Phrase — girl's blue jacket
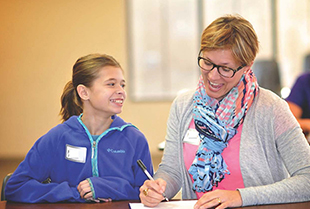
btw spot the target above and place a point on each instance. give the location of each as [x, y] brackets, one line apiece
[68, 154]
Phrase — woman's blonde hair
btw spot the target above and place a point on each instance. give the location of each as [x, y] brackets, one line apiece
[231, 32]
[85, 71]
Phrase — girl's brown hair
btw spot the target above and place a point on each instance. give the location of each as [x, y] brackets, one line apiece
[85, 71]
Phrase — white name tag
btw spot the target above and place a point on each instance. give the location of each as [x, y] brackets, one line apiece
[192, 137]
[76, 154]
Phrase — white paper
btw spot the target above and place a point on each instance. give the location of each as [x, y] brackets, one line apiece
[188, 204]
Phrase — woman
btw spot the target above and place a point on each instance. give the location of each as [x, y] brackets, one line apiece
[92, 155]
[231, 143]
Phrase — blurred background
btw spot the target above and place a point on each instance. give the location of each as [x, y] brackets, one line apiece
[156, 42]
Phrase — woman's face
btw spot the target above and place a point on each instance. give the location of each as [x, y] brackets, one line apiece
[216, 85]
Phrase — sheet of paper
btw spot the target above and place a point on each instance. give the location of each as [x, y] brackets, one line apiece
[188, 204]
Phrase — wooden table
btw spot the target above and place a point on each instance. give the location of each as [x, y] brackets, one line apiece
[125, 205]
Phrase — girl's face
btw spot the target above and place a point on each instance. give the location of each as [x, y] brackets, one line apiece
[107, 95]
[216, 85]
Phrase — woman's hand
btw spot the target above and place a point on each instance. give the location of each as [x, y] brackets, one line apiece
[219, 199]
[151, 192]
[85, 190]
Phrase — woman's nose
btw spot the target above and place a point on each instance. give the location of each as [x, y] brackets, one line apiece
[214, 73]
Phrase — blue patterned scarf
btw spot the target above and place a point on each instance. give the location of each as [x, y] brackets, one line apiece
[217, 122]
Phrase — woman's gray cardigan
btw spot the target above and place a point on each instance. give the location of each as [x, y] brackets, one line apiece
[274, 154]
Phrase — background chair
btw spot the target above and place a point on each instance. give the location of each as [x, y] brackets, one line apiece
[5, 180]
[306, 67]
[268, 75]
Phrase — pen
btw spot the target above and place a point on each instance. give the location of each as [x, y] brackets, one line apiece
[143, 167]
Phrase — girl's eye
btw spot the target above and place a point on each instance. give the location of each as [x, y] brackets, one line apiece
[123, 86]
[111, 84]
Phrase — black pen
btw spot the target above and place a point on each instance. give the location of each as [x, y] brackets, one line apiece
[143, 167]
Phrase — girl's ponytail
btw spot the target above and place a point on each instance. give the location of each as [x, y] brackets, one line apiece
[69, 102]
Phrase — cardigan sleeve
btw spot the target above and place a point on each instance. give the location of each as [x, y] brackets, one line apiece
[172, 168]
[274, 154]
[169, 168]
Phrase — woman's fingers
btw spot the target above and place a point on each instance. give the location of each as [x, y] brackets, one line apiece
[151, 192]
[219, 199]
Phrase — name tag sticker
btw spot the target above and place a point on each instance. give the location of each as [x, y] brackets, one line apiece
[76, 154]
[192, 137]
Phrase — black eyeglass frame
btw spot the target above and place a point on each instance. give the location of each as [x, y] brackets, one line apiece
[217, 67]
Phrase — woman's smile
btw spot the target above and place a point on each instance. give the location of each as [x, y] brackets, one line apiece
[215, 86]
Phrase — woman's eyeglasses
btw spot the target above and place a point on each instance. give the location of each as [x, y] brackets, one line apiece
[224, 71]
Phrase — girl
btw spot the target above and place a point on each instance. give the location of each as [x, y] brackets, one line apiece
[93, 154]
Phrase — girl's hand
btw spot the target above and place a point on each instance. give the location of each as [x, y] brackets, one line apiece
[219, 199]
[85, 190]
[151, 192]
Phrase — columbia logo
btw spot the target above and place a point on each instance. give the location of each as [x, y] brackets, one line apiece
[120, 151]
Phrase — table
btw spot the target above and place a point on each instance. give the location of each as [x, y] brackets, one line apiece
[125, 205]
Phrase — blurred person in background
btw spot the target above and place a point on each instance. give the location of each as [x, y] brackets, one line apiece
[299, 102]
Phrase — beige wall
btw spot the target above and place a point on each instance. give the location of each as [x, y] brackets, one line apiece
[39, 43]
